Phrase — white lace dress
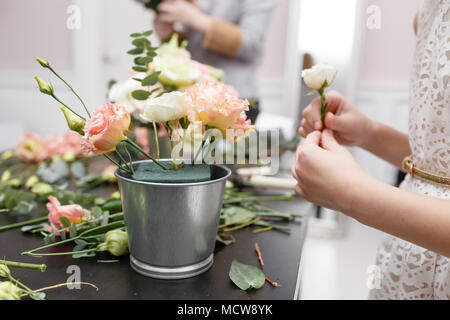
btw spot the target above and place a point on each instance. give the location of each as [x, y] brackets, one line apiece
[409, 271]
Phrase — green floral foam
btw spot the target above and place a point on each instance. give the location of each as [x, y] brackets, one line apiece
[151, 172]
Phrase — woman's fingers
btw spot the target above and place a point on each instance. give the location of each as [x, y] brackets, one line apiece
[312, 114]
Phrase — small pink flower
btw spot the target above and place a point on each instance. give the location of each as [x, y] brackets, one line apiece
[72, 143]
[73, 212]
[53, 145]
[106, 128]
[215, 104]
[31, 148]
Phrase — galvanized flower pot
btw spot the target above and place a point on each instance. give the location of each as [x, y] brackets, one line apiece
[172, 227]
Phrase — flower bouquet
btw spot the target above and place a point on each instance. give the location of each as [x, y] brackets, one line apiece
[171, 206]
[157, 70]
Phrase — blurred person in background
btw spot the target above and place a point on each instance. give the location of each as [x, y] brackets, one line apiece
[228, 34]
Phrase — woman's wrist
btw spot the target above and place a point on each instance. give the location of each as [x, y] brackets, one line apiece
[370, 136]
[202, 23]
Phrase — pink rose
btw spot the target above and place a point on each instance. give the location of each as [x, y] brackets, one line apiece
[31, 148]
[106, 128]
[215, 104]
[73, 212]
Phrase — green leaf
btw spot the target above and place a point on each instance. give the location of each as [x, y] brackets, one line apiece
[30, 228]
[73, 230]
[141, 43]
[246, 276]
[147, 33]
[143, 61]
[64, 221]
[140, 69]
[235, 214]
[136, 35]
[37, 295]
[25, 207]
[151, 79]
[140, 94]
[223, 241]
[135, 51]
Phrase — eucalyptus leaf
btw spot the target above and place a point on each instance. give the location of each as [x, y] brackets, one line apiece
[140, 69]
[140, 94]
[234, 214]
[73, 230]
[25, 207]
[246, 276]
[78, 169]
[84, 255]
[224, 241]
[141, 43]
[64, 221]
[33, 227]
[151, 79]
[146, 33]
[37, 295]
[136, 35]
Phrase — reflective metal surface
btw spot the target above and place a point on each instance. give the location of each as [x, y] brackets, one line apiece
[172, 227]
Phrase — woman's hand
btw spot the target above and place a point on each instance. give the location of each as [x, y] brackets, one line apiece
[326, 173]
[163, 29]
[350, 126]
[186, 13]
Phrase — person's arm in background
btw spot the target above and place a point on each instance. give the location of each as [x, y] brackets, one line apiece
[242, 40]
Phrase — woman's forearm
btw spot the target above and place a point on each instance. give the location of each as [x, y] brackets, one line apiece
[419, 219]
[387, 143]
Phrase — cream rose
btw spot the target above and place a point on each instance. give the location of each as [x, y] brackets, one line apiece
[316, 76]
[120, 93]
[169, 106]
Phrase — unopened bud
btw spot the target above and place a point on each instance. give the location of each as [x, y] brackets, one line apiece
[31, 181]
[116, 243]
[44, 86]
[7, 155]
[74, 121]
[43, 62]
[4, 271]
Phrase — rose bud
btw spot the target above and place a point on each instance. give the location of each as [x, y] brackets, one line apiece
[116, 243]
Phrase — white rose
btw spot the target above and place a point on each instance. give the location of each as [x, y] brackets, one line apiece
[169, 106]
[120, 93]
[317, 75]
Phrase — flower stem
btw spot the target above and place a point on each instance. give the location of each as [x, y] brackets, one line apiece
[116, 163]
[129, 166]
[15, 264]
[29, 253]
[138, 148]
[28, 290]
[24, 223]
[56, 98]
[71, 89]
[61, 253]
[155, 130]
[63, 285]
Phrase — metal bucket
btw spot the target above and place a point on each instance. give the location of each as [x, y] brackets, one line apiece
[172, 227]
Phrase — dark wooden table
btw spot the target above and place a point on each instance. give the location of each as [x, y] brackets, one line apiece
[281, 253]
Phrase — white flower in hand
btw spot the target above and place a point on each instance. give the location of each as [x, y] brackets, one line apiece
[319, 76]
[169, 106]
